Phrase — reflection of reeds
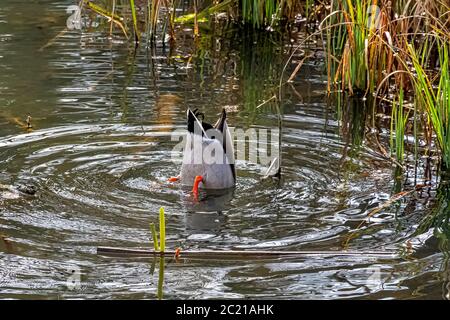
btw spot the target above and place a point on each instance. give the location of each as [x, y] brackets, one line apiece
[352, 116]
[160, 247]
[252, 73]
[359, 44]
[259, 70]
[439, 217]
[366, 41]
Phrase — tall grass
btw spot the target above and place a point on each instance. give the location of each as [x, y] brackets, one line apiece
[258, 12]
[359, 44]
[376, 48]
[399, 119]
[433, 94]
[263, 13]
[161, 13]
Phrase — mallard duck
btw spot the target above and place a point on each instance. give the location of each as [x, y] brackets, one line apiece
[208, 158]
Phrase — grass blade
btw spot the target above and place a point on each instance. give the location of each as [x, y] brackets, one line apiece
[162, 229]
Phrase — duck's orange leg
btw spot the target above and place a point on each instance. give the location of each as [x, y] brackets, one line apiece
[174, 179]
[197, 181]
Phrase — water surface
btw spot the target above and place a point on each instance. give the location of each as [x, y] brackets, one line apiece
[99, 154]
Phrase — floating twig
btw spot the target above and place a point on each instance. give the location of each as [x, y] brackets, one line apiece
[266, 101]
[299, 65]
[236, 254]
[26, 125]
[51, 41]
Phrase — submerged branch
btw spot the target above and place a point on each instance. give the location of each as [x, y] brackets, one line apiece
[394, 198]
[236, 254]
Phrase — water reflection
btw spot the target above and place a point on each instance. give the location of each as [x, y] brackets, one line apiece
[439, 217]
[209, 201]
[160, 278]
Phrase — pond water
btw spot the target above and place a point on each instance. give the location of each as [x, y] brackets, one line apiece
[99, 155]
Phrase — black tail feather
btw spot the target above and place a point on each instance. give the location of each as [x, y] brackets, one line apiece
[191, 121]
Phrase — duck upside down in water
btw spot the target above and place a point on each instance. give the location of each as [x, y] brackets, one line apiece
[208, 155]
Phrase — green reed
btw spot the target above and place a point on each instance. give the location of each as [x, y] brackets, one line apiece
[162, 230]
[399, 119]
[372, 52]
[159, 292]
[161, 245]
[356, 54]
[154, 237]
[259, 70]
[135, 20]
[432, 92]
[150, 15]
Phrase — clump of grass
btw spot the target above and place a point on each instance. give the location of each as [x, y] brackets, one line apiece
[366, 40]
[391, 51]
[358, 44]
[432, 90]
[258, 12]
[399, 119]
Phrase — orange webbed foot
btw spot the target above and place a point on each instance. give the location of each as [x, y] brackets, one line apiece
[197, 181]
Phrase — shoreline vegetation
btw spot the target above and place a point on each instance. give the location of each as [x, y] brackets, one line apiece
[391, 56]
[392, 53]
